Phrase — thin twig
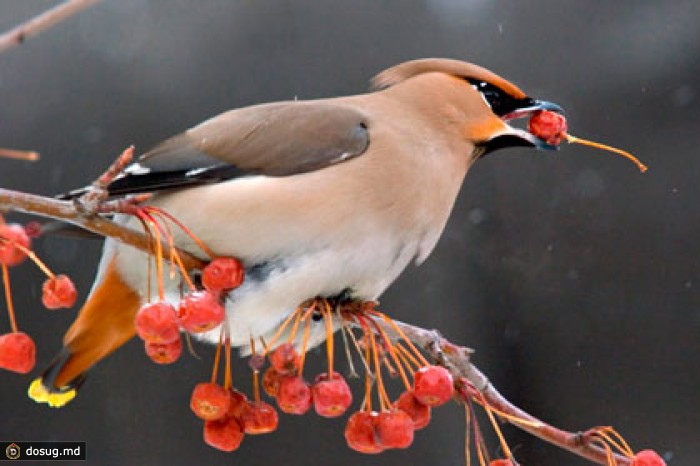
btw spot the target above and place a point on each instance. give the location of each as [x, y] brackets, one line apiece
[16, 154]
[66, 211]
[41, 22]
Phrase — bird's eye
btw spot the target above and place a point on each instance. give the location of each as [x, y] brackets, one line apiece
[501, 103]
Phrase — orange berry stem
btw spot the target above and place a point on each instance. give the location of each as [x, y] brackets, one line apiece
[215, 369]
[383, 396]
[368, 362]
[149, 256]
[183, 270]
[368, 382]
[405, 361]
[397, 362]
[501, 439]
[187, 231]
[295, 327]
[328, 321]
[278, 334]
[190, 348]
[408, 356]
[625, 446]
[479, 441]
[8, 298]
[585, 142]
[304, 344]
[479, 399]
[348, 354]
[256, 373]
[403, 336]
[34, 258]
[467, 435]
[359, 350]
[386, 362]
[311, 308]
[227, 375]
[612, 438]
[155, 229]
[368, 359]
[159, 264]
[175, 259]
[609, 455]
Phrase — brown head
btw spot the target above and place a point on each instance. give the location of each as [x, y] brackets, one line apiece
[490, 101]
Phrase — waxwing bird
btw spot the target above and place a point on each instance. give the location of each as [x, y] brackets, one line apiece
[316, 198]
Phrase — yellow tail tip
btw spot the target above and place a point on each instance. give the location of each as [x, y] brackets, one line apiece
[40, 394]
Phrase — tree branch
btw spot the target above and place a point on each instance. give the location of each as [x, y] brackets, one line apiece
[41, 22]
[455, 358]
[67, 211]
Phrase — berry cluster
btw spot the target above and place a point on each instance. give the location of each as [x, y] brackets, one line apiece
[227, 413]
[17, 349]
[159, 323]
[370, 431]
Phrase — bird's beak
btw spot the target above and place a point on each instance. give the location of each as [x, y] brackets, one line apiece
[515, 137]
[531, 107]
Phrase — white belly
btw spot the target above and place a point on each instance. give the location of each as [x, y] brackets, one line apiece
[272, 291]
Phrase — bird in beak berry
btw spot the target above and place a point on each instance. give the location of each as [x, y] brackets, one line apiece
[332, 198]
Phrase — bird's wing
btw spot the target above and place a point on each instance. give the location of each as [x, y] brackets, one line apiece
[278, 139]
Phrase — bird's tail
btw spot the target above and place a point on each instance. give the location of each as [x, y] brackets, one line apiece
[105, 323]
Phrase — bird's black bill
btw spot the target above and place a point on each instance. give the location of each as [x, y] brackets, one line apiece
[515, 137]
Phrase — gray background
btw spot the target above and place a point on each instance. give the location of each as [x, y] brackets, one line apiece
[575, 277]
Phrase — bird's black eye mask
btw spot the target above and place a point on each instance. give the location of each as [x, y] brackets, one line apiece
[501, 103]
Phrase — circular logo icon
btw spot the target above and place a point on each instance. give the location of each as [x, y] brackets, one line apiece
[12, 451]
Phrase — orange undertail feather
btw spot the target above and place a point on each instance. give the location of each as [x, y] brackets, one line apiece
[105, 323]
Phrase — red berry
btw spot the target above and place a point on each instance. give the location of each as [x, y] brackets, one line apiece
[225, 434]
[332, 397]
[259, 418]
[164, 353]
[501, 462]
[294, 395]
[547, 125]
[647, 458]
[419, 413]
[200, 311]
[12, 234]
[224, 273]
[58, 291]
[433, 385]
[238, 404]
[33, 229]
[256, 362]
[157, 323]
[361, 434]
[395, 429]
[17, 352]
[210, 401]
[271, 381]
[285, 359]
